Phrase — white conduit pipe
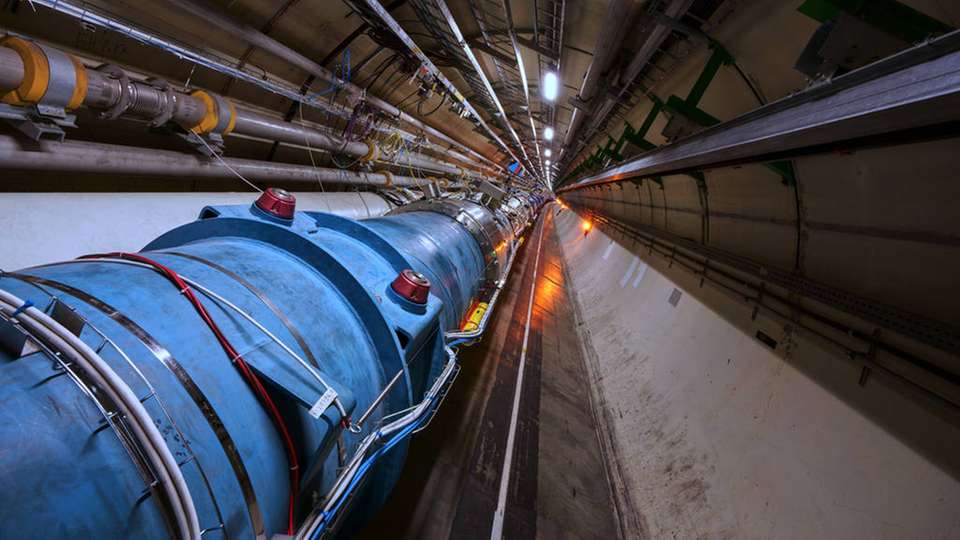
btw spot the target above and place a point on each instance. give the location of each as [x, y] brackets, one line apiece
[170, 478]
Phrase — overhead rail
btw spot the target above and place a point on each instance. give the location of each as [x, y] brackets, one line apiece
[439, 21]
[499, 35]
[905, 97]
[429, 66]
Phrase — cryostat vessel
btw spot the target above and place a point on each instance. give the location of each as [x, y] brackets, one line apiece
[257, 372]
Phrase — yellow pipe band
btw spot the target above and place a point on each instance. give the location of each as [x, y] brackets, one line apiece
[80, 90]
[36, 72]
[210, 119]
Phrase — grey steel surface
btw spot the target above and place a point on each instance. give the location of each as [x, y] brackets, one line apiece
[917, 88]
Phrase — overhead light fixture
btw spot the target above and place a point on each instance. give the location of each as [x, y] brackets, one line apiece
[551, 86]
[548, 163]
[548, 133]
[547, 152]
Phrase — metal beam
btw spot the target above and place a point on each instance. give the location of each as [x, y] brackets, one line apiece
[546, 53]
[905, 94]
[391, 23]
[656, 32]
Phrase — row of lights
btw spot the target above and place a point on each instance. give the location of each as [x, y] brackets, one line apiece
[551, 89]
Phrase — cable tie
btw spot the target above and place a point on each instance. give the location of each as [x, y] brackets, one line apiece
[27, 304]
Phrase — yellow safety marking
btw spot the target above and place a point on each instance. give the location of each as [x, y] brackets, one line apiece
[36, 72]
[80, 90]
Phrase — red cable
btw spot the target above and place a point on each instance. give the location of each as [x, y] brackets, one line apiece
[235, 357]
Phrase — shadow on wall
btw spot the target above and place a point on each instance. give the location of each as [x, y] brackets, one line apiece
[731, 422]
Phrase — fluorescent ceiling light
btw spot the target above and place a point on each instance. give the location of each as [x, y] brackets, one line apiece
[547, 152]
[551, 86]
[548, 133]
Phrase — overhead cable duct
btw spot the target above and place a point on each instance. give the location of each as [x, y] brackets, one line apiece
[615, 24]
[657, 30]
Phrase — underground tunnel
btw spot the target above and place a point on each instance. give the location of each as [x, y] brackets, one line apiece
[430, 269]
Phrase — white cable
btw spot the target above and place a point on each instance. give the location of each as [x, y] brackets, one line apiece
[170, 477]
[225, 164]
[313, 162]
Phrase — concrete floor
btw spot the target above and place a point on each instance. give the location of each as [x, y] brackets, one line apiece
[558, 483]
[651, 409]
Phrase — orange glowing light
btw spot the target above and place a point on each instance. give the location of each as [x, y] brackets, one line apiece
[586, 226]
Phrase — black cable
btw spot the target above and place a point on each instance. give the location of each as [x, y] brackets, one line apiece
[750, 85]
[389, 80]
[381, 68]
[404, 100]
[437, 108]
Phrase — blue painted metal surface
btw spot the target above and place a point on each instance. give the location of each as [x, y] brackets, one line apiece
[64, 471]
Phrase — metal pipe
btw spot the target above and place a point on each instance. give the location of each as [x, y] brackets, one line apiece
[254, 37]
[149, 101]
[608, 44]
[11, 69]
[87, 157]
[259, 125]
[91, 15]
[658, 31]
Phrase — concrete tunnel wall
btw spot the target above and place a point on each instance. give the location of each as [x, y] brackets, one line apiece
[712, 433]
[40, 228]
[880, 224]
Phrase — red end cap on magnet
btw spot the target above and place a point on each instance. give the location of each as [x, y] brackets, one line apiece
[277, 202]
[412, 286]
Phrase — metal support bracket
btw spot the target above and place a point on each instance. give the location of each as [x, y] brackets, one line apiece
[38, 121]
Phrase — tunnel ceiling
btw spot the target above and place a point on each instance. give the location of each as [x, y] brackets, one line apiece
[351, 41]
[614, 59]
[640, 84]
